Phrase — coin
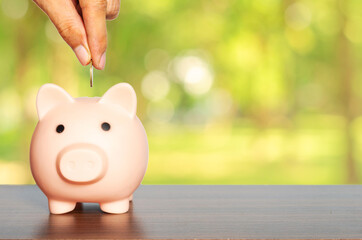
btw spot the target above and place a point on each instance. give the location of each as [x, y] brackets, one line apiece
[91, 73]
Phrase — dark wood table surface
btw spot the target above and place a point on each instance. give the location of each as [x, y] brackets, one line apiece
[193, 211]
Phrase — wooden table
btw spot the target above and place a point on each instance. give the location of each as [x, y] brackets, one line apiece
[192, 211]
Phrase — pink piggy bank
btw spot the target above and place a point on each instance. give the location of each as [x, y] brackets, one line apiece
[88, 149]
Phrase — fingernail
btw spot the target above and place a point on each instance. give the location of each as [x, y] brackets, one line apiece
[102, 61]
[82, 55]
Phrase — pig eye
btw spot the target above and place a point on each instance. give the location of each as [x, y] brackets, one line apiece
[105, 126]
[60, 128]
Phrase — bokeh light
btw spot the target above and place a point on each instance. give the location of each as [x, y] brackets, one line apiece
[195, 74]
[298, 16]
[155, 85]
[15, 9]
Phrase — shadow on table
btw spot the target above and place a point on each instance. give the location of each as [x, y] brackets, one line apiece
[88, 221]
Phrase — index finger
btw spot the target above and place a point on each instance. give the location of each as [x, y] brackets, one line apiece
[94, 18]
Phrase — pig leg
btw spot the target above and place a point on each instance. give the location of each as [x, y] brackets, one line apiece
[130, 198]
[59, 207]
[117, 207]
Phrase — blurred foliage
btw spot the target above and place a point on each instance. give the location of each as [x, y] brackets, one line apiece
[230, 92]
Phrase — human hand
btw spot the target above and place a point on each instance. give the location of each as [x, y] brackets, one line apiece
[82, 24]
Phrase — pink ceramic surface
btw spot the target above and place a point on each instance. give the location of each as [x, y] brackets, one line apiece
[88, 149]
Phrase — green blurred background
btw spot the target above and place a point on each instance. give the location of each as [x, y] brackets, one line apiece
[230, 92]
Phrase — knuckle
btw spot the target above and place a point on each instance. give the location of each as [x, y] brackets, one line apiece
[94, 5]
[67, 29]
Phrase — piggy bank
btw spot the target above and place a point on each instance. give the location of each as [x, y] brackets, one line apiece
[88, 149]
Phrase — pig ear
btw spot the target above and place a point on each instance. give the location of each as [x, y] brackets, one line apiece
[49, 96]
[122, 94]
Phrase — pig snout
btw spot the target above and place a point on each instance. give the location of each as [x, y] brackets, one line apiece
[81, 163]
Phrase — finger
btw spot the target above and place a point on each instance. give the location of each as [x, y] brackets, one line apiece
[69, 24]
[112, 9]
[94, 17]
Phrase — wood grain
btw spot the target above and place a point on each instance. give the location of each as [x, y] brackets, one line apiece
[204, 212]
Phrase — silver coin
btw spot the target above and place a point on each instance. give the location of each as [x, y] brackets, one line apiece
[91, 74]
